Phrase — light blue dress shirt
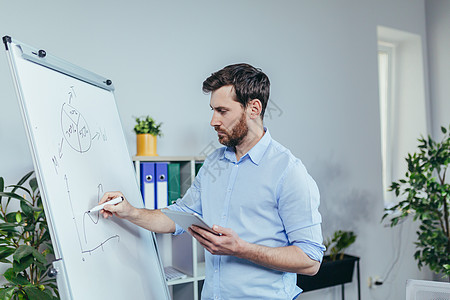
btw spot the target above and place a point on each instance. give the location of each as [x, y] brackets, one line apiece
[268, 198]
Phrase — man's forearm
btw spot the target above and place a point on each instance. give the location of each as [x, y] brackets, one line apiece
[288, 259]
[153, 220]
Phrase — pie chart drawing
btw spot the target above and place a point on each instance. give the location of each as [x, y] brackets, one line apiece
[75, 129]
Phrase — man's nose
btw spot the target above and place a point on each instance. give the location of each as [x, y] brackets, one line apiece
[215, 120]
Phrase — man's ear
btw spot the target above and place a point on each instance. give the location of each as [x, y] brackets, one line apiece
[254, 108]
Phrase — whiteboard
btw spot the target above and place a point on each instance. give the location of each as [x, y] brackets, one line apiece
[79, 152]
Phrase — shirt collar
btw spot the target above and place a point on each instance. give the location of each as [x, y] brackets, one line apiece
[255, 154]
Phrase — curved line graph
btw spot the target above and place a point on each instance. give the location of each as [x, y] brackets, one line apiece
[101, 244]
[94, 219]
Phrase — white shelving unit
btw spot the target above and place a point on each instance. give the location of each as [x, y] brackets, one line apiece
[182, 252]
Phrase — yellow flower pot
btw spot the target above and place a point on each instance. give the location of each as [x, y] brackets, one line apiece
[146, 145]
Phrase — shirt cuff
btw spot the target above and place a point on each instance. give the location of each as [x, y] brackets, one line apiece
[178, 229]
[312, 249]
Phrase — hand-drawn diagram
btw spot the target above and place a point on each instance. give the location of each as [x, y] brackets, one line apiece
[75, 129]
[95, 218]
[84, 244]
[77, 135]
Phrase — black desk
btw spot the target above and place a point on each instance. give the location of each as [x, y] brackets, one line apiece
[332, 273]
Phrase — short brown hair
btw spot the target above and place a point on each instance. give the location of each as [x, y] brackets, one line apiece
[249, 83]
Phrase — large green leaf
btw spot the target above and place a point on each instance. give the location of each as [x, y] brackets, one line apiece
[36, 215]
[10, 217]
[19, 266]
[39, 257]
[5, 252]
[12, 195]
[19, 187]
[5, 261]
[8, 227]
[23, 251]
[18, 217]
[48, 291]
[26, 208]
[15, 278]
[6, 239]
[35, 293]
[2, 184]
[25, 178]
[33, 184]
[6, 293]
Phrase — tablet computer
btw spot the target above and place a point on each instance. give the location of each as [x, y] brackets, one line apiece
[186, 220]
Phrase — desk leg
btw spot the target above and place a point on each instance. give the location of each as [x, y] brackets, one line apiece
[343, 293]
[359, 284]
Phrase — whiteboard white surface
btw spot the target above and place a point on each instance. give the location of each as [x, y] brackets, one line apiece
[79, 152]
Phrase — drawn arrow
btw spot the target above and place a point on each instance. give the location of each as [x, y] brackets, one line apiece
[73, 212]
[60, 148]
[97, 135]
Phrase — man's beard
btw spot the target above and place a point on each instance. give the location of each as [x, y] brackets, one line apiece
[237, 135]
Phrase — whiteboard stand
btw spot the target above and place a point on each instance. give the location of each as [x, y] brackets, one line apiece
[63, 286]
[79, 152]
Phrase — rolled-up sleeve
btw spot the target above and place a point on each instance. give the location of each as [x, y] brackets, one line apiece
[298, 202]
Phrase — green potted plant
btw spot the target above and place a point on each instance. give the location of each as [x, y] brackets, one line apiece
[336, 245]
[425, 195]
[25, 243]
[147, 130]
[337, 267]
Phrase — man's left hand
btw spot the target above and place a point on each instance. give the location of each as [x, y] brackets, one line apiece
[228, 243]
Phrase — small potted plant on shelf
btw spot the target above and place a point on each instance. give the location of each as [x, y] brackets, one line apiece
[25, 243]
[337, 267]
[426, 196]
[147, 130]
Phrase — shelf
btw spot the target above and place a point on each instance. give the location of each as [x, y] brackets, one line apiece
[183, 251]
[201, 276]
[180, 281]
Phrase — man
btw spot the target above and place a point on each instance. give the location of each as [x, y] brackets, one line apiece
[259, 196]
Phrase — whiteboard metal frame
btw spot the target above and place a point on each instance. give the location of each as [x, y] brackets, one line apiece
[49, 61]
[42, 58]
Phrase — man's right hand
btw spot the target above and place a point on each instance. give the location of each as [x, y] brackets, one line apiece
[122, 210]
[150, 219]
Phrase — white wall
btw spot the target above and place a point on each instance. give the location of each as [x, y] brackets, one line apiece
[320, 57]
[438, 28]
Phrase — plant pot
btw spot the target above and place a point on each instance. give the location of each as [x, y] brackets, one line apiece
[330, 273]
[146, 145]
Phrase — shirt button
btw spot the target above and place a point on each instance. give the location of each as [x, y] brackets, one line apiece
[237, 166]
[215, 271]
